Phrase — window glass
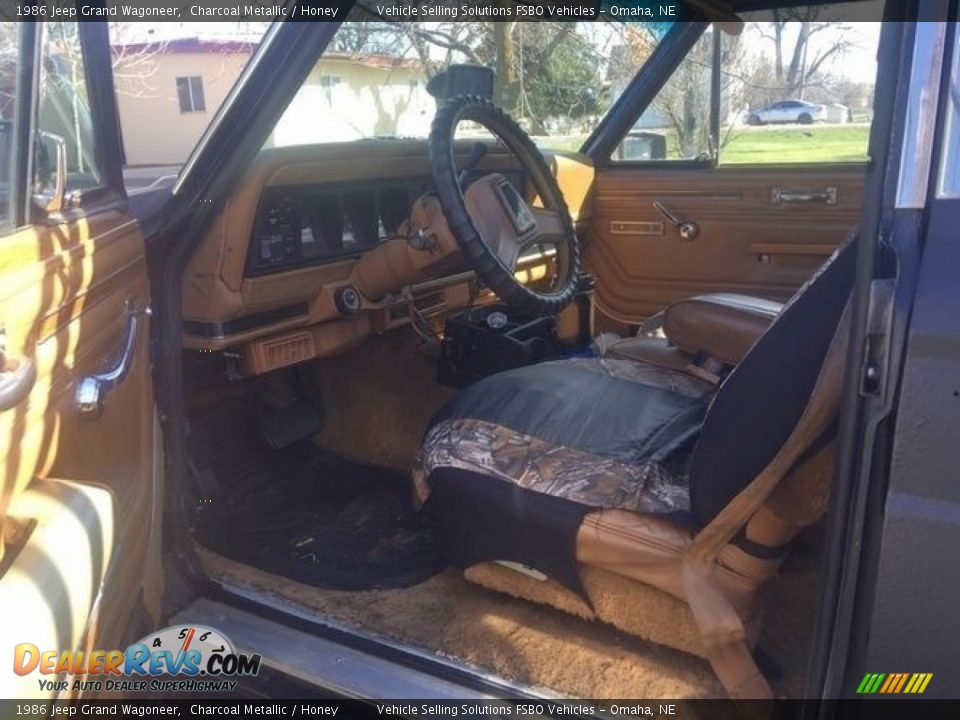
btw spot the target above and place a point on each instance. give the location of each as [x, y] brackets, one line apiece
[676, 125]
[170, 79]
[948, 185]
[63, 120]
[557, 79]
[796, 86]
[9, 61]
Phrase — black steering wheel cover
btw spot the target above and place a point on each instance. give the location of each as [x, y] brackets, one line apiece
[485, 262]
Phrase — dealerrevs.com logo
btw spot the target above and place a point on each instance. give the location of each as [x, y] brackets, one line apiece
[179, 658]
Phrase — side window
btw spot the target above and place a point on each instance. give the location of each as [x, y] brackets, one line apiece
[676, 125]
[9, 62]
[66, 141]
[795, 87]
[798, 87]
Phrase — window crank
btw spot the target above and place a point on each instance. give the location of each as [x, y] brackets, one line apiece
[687, 229]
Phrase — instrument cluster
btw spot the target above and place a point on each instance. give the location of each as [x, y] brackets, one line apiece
[303, 225]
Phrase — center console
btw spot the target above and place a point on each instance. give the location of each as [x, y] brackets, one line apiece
[481, 341]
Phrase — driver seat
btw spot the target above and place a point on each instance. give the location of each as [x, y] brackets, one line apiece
[641, 495]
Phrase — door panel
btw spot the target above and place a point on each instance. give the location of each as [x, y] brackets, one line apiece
[50, 591]
[747, 241]
[66, 295]
[79, 483]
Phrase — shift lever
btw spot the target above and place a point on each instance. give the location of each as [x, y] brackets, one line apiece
[477, 153]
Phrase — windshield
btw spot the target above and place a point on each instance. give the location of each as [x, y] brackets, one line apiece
[557, 79]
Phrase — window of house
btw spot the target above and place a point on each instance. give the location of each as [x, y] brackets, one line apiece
[327, 84]
[190, 94]
[794, 87]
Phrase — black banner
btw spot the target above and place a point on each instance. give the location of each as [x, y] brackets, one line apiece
[874, 709]
[154, 11]
[338, 10]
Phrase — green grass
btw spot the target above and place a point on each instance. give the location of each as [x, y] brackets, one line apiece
[796, 144]
[778, 145]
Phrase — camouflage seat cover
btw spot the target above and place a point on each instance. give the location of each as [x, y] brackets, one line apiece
[600, 432]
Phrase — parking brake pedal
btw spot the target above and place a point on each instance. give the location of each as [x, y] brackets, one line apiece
[299, 421]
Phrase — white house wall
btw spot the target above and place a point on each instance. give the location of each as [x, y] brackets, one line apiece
[155, 132]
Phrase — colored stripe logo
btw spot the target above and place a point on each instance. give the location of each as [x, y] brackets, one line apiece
[894, 683]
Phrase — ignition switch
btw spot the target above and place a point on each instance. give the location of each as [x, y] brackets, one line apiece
[347, 300]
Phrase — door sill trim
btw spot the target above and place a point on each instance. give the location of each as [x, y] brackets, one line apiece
[418, 678]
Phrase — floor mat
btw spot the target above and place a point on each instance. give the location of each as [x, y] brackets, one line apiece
[303, 513]
[512, 639]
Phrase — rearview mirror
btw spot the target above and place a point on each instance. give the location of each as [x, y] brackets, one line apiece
[462, 80]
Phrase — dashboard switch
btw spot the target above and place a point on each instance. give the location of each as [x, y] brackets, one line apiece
[347, 300]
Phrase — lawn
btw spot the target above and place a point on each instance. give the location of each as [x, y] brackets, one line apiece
[796, 144]
[766, 145]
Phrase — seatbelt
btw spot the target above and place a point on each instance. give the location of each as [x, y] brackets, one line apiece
[706, 367]
[722, 629]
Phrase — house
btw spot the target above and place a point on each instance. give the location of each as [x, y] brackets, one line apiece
[167, 94]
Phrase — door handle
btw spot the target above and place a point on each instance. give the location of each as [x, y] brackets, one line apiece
[687, 228]
[17, 377]
[827, 196]
[92, 389]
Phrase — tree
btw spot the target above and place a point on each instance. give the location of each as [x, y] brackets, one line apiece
[546, 73]
[685, 100]
[796, 60]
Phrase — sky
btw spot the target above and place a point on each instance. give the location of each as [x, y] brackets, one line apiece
[857, 62]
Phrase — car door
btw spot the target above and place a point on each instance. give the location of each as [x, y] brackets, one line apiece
[79, 443]
[732, 208]
[778, 112]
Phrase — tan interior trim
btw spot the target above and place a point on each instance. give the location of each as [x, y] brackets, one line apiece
[721, 626]
[773, 248]
[745, 245]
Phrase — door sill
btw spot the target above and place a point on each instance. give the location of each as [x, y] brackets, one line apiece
[360, 665]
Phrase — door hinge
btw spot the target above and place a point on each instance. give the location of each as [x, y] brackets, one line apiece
[876, 360]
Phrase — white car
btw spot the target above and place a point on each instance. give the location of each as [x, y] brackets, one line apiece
[787, 111]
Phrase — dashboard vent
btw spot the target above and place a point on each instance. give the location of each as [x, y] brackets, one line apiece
[265, 355]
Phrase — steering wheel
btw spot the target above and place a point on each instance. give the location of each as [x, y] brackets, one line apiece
[492, 222]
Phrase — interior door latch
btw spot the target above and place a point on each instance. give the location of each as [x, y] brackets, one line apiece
[876, 359]
[687, 229]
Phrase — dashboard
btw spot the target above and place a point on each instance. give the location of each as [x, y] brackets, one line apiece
[278, 277]
[302, 225]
